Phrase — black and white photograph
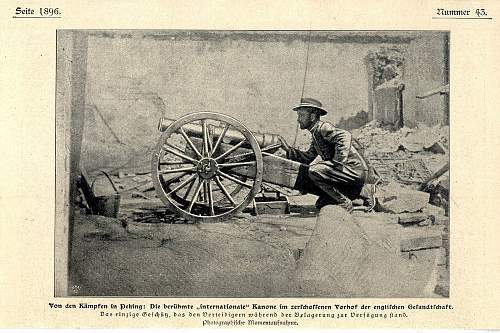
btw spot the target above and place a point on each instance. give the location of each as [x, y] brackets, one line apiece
[252, 163]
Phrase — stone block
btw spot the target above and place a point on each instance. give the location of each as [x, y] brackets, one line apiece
[418, 238]
[427, 256]
[430, 209]
[393, 199]
[411, 218]
[340, 260]
[441, 220]
[381, 228]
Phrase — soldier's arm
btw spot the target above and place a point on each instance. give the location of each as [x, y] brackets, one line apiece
[305, 157]
[339, 139]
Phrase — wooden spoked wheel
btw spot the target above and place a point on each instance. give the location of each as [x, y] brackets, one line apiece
[197, 167]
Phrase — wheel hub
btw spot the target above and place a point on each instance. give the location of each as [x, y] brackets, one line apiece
[207, 168]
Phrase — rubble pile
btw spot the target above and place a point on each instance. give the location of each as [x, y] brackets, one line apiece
[406, 160]
[408, 155]
[413, 164]
[377, 138]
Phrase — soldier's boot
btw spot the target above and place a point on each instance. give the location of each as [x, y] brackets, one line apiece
[342, 201]
[322, 201]
[368, 195]
[347, 204]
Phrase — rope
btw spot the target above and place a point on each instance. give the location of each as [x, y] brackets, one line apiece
[307, 65]
[303, 85]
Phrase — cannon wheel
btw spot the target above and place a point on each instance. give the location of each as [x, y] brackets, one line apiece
[206, 172]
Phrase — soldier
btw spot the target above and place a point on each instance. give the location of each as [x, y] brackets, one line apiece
[342, 173]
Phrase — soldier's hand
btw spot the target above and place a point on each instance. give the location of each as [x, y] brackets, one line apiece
[284, 144]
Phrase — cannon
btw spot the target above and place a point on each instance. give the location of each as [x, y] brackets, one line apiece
[207, 166]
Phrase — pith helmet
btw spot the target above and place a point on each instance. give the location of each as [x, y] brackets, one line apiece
[311, 103]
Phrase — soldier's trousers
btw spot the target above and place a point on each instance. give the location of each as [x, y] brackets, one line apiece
[335, 181]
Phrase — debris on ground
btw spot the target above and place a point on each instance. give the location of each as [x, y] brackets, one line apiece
[412, 218]
[376, 137]
[154, 215]
[103, 228]
[416, 158]
[436, 148]
[126, 184]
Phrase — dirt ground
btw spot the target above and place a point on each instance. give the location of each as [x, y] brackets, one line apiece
[248, 256]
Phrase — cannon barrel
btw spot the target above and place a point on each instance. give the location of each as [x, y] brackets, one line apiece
[232, 136]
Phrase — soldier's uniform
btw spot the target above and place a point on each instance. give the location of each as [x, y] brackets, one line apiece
[342, 172]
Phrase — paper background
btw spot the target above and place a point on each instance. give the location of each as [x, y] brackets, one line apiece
[27, 53]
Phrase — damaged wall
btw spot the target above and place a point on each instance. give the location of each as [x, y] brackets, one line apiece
[426, 68]
[136, 77]
[421, 65]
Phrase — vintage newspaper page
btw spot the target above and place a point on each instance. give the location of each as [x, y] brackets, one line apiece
[249, 164]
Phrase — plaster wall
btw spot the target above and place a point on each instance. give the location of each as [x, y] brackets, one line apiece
[134, 78]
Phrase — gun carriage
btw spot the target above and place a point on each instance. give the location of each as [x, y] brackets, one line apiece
[207, 166]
